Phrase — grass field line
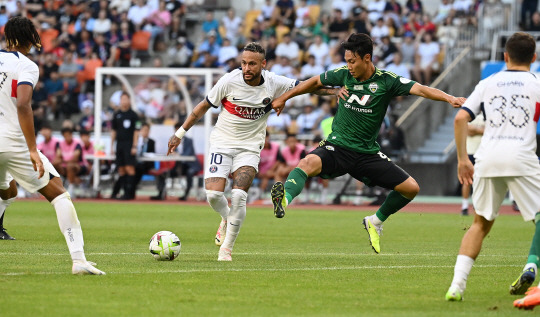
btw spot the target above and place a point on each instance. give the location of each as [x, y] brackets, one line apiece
[293, 269]
[268, 253]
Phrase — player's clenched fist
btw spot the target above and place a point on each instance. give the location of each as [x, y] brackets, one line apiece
[174, 141]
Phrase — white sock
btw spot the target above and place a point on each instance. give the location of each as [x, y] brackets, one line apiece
[531, 265]
[462, 269]
[236, 217]
[69, 225]
[465, 203]
[4, 204]
[375, 220]
[218, 202]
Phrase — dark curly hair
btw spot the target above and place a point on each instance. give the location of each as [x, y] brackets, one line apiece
[21, 32]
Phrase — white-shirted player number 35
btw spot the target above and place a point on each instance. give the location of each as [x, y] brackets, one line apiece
[515, 120]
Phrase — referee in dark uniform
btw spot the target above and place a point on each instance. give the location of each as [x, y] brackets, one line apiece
[125, 130]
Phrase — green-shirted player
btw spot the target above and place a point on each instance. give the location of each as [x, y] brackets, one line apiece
[351, 148]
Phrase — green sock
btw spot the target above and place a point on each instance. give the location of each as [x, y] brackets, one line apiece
[294, 184]
[534, 254]
[394, 202]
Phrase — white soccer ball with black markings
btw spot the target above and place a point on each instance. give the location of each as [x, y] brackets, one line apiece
[165, 246]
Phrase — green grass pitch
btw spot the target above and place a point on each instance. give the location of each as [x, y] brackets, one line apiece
[310, 263]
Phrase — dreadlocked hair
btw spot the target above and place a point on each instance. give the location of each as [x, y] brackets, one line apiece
[21, 32]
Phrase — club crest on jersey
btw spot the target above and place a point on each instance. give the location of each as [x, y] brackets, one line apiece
[329, 148]
[266, 101]
[373, 87]
[212, 169]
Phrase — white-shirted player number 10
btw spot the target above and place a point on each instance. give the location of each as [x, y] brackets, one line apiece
[216, 158]
[504, 115]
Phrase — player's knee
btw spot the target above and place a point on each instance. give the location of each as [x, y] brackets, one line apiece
[311, 165]
[213, 196]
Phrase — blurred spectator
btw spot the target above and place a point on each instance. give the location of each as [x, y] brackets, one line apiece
[528, 8]
[362, 24]
[376, 10]
[322, 26]
[393, 9]
[103, 50]
[102, 24]
[267, 9]
[87, 147]
[465, 7]
[284, 12]
[319, 50]
[306, 121]
[138, 14]
[283, 68]
[4, 16]
[535, 23]
[379, 30]
[345, 6]
[68, 161]
[408, 50]
[55, 89]
[85, 44]
[256, 32]
[397, 67]
[208, 51]
[427, 25]
[68, 71]
[311, 69]
[279, 123]
[288, 49]
[304, 34]
[179, 55]
[159, 19]
[210, 24]
[357, 9]
[86, 123]
[120, 5]
[302, 11]
[339, 28]
[426, 59]
[49, 144]
[388, 49]
[412, 24]
[227, 52]
[124, 44]
[444, 10]
[271, 161]
[233, 26]
[337, 62]
[293, 152]
[448, 33]
[145, 144]
[415, 6]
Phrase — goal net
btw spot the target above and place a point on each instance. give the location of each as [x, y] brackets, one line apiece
[157, 94]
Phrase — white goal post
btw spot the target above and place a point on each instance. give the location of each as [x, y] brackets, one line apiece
[174, 73]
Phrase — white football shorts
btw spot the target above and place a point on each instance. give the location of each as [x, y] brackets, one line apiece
[19, 165]
[222, 162]
[489, 192]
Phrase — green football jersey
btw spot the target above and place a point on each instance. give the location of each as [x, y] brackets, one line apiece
[359, 118]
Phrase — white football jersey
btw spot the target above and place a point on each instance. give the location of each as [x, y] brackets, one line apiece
[510, 102]
[242, 123]
[15, 69]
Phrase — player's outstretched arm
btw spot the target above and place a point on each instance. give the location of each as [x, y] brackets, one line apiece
[26, 121]
[197, 113]
[436, 94]
[308, 86]
[465, 167]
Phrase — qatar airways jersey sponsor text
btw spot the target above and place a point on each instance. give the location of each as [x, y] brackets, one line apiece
[243, 123]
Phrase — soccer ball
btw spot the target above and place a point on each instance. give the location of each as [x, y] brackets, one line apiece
[165, 246]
